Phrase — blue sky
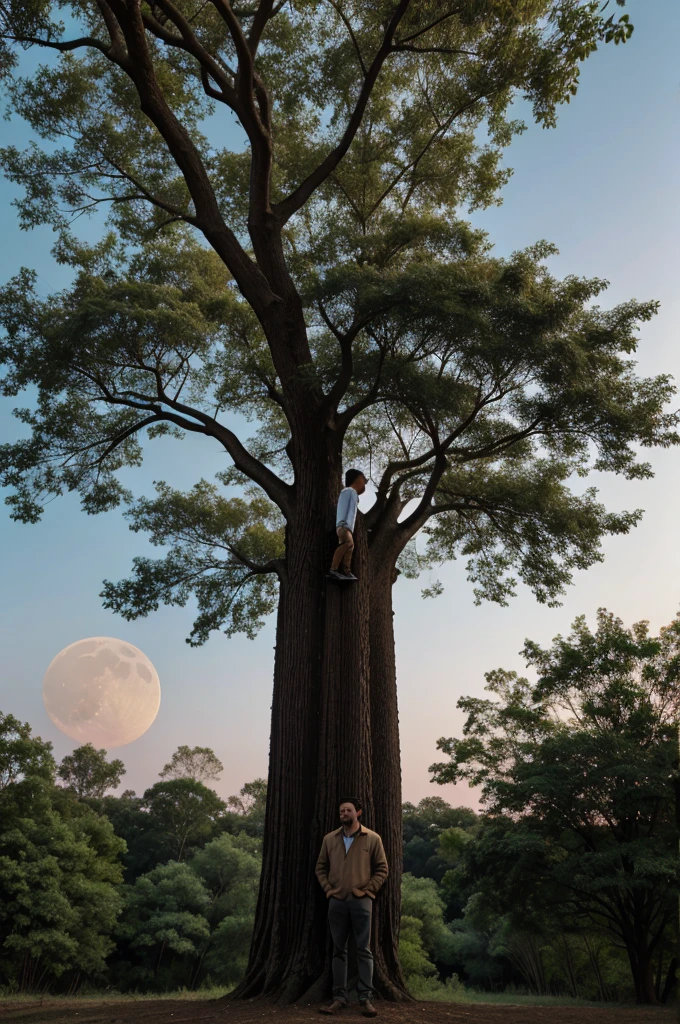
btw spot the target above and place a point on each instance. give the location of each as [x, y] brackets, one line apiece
[604, 187]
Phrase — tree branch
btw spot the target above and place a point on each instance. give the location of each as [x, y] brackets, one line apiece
[247, 78]
[407, 48]
[428, 28]
[248, 276]
[468, 455]
[281, 493]
[339, 388]
[66, 46]
[439, 131]
[265, 11]
[272, 566]
[189, 42]
[384, 486]
[162, 204]
[397, 466]
[117, 42]
[245, 57]
[293, 202]
[137, 63]
[154, 418]
[421, 514]
[346, 22]
[343, 420]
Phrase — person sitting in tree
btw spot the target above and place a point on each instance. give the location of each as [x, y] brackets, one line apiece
[355, 484]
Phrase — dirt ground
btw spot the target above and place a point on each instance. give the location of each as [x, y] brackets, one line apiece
[168, 1012]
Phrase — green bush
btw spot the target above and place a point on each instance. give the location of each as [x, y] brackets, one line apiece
[190, 924]
[415, 962]
[60, 871]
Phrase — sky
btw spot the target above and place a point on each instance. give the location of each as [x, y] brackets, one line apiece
[603, 186]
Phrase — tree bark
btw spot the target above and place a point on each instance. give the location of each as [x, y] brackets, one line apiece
[642, 970]
[285, 909]
[320, 751]
[386, 760]
[344, 727]
[671, 980]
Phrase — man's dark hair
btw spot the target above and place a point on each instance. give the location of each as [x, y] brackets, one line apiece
[350, 477]
[350, 800]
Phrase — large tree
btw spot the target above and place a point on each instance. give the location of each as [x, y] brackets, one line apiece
[319, 280]
[184, 813]
[578, 774]
[87, 772]
[198, 763]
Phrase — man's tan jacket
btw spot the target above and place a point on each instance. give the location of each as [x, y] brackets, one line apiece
[361, 871]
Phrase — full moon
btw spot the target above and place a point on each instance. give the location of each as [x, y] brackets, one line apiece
[102, 691]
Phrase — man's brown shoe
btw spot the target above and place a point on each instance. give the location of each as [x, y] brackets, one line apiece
[332, 1007]
[368, 1009]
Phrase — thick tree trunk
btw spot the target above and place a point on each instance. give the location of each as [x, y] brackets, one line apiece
[285, 907]
[320, 751]
[643, 974]
[344, 728]
[671, 980]
[386, 774]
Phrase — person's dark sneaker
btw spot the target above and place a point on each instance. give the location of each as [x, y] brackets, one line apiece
[368, 1009]
[332, 1007]
[342, 577]
[350, 576]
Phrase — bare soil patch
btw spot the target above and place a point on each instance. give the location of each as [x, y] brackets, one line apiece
[80, 1011]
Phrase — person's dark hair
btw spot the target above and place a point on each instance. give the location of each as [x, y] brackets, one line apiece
[350, 477]
[350, 800]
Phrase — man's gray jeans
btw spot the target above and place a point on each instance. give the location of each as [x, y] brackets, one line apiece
[351, 913]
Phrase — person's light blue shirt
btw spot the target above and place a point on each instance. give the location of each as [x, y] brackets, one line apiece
[347, 508]
[348, 840]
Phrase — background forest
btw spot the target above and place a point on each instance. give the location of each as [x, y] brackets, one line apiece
[565, 883]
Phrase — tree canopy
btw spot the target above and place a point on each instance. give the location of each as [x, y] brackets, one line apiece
[87, 772]
[508, 380]
[22, 755]
[199, 763]
[426, 827]
[585, 761]
[473, 387]
[183, 812]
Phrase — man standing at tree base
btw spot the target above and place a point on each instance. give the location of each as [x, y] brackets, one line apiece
[351, 869]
